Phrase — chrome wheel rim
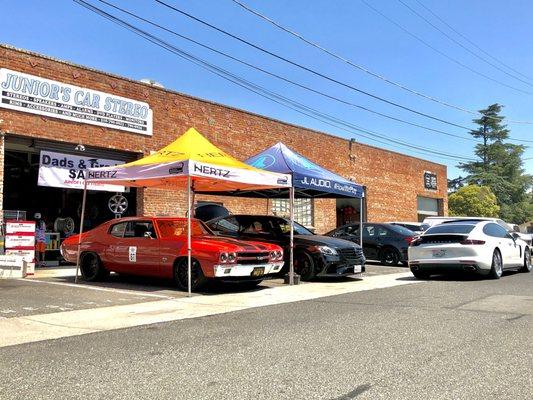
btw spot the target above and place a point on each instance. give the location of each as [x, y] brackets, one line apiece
[498, 265]
[528, 261]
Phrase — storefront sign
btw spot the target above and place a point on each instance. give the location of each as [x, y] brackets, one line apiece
[31, 94]
[430, 181]
[68, 171]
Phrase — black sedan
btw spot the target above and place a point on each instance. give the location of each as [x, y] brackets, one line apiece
[386, 243]
[314, 255]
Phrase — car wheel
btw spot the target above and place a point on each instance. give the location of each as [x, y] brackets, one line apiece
[389, 256]
[496, 269]
[181, 275]
[527, 262]
[304, 266]
[91, 268]
[420, 274]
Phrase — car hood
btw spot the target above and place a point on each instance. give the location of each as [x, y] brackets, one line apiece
[228, 244]
[324, 241]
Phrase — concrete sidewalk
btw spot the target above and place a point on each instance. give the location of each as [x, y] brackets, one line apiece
[26, 329]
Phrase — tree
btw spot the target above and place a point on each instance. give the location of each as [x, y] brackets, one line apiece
[499, 166]
[473, 201]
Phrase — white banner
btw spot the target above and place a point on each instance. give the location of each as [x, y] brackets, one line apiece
[68, 171]
[32, 94]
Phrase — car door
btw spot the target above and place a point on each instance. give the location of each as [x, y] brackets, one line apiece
[507, 245]
[138, 251]
[371, 241]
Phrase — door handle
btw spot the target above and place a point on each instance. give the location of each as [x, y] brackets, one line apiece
[164, 259]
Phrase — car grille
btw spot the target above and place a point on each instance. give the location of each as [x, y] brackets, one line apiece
[351, 255]
[252, 258]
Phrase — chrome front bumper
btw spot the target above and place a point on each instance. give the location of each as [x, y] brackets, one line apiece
[234, 270]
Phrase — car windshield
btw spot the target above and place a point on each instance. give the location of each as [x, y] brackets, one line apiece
[169, 228]
[285, 227]
[450, 228]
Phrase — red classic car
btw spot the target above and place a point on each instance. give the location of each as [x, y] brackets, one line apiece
[157, 246]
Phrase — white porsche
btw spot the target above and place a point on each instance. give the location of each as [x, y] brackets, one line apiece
[484, 247]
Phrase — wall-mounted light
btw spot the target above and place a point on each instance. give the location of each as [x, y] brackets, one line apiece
[79, 147]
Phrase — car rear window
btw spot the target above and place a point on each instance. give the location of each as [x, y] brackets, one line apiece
[450, 228]
[402, 230]
[170, 228]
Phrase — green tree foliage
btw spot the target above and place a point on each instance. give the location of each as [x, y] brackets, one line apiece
[473, 201]
[499, 166]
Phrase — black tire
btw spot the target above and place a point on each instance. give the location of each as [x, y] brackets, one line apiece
[527, 261]
[496, 269]
[304, 265]
[420, 274]
[91, 268]
[181, 276]
[389, 256]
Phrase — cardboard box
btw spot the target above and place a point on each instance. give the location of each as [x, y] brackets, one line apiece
[20, 227]
[12, 267]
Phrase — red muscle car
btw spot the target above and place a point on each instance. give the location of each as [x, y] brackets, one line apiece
[157, 246]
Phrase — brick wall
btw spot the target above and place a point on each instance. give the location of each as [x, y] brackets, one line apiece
[393, 180]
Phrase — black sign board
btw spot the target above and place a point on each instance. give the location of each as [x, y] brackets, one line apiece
[430, 181]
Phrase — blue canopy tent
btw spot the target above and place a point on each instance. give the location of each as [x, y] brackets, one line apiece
[309, 180]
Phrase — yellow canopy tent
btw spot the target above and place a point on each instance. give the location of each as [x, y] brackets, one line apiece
[190, 162]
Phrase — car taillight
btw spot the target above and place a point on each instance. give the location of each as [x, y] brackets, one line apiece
[408, 239]
[472, 241]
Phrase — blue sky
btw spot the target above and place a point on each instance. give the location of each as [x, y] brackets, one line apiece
[63, 29]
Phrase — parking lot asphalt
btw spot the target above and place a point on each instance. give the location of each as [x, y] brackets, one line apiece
[447, 338]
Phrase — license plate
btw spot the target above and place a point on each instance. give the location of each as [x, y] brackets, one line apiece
[438, 253]
[258, 271]
[357, 269]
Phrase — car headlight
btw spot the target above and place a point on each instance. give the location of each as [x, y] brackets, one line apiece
[330, 251]
[223, 257]
[232, 257]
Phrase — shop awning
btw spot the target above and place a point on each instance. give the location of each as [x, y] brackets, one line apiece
[210, 169]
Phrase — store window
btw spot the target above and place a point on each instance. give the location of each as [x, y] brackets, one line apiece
[303, 210]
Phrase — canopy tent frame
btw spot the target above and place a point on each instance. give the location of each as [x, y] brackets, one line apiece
[290, 162]
[187, 157]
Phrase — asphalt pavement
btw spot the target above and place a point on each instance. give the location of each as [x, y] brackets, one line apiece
[447, 338]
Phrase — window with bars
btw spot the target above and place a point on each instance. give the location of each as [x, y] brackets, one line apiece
[303, 210]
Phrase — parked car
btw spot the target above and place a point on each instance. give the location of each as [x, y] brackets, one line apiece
[157, 247]
[484, 247]
[386, 243]
[417, 227]
[314, 255]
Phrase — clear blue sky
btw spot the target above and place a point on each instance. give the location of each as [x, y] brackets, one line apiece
[63, 29]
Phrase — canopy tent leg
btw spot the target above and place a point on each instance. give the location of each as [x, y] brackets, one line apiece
[361, 221]
[82, 217]
[291, 256]
[189, 211]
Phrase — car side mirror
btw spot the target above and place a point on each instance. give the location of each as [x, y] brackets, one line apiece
[515, 235]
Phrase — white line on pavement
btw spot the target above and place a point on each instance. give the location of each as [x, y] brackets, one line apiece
[90, 287]
[41, 327]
